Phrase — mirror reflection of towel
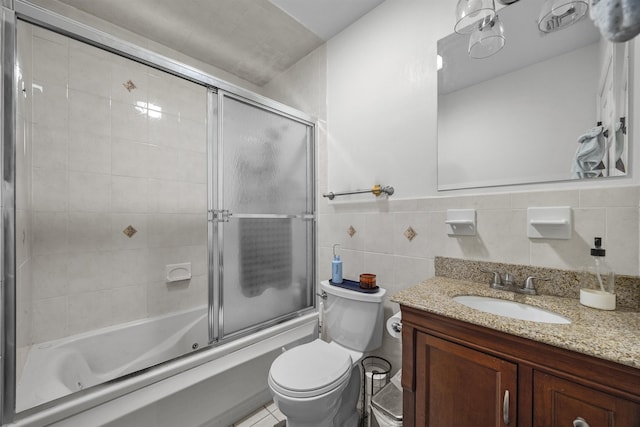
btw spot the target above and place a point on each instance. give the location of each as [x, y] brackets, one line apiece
[620, 132]
[592, 149]
[618, 20]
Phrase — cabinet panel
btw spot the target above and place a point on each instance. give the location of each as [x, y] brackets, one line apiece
[558, 402]
[455, 373]
[458, 386]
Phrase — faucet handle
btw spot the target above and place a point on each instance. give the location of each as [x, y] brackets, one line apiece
[496, 282]
[529, 286]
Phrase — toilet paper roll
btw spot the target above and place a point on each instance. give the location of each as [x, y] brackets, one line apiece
[394, 325]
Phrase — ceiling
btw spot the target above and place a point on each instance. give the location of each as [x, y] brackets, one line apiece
[253, 39]
[524, 45]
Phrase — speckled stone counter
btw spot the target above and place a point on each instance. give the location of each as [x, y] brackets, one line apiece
[610, 335]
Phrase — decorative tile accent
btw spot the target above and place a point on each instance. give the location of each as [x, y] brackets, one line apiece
[129, 85]
[410, 233]
[351, 231]
[129, 231]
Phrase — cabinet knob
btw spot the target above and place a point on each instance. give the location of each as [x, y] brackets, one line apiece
[580, 422]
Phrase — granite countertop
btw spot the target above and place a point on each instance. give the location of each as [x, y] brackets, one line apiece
[610, 335]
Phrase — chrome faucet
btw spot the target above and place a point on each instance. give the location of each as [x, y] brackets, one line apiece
[508, 284]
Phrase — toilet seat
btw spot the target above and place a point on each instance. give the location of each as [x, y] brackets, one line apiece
[310, 370]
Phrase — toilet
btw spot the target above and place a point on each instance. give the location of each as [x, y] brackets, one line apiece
[318, 384]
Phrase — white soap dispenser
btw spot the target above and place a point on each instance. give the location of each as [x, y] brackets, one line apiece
[598, 289]
[336, 267]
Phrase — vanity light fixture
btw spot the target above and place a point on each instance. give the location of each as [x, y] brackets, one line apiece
[471, 12]
[487, 39]
[558, 14]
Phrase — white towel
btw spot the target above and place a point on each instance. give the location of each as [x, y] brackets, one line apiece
[592, 149]
[618, 20]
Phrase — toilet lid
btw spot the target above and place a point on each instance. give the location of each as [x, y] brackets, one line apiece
[310, 369]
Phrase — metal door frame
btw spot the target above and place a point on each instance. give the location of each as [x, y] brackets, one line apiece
[218, 215]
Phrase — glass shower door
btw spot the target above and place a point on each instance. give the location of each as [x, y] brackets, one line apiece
[264, 216]
[111, 208]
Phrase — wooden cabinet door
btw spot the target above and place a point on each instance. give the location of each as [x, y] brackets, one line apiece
[558, 403]
[457, 386]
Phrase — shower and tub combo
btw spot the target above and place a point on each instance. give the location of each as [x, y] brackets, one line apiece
[120, 164]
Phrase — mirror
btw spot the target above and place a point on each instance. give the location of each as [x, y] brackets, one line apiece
[516, 116]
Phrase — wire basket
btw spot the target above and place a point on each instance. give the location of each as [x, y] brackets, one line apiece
[375, 375]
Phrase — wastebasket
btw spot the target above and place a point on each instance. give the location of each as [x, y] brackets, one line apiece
[375, 375]
[386, 406]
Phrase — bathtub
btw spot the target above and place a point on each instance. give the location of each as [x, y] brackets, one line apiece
[211, 387]
[57, 368]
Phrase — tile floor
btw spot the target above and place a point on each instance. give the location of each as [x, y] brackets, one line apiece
[266, 416]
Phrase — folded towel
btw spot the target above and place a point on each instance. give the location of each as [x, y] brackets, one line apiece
[618, 20]
[592, 149]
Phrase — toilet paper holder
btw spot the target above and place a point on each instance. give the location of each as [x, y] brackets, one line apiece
[396, 326]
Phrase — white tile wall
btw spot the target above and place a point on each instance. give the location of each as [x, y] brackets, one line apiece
[105, 158]
[501, 232]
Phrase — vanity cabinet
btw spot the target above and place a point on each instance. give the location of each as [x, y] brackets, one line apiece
[558, 402]
[461, 386]
[456, 373]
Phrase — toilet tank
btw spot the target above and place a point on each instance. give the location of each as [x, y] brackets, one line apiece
[353, 319]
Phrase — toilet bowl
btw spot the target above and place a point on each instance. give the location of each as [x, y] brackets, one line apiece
[318, 384]
[311, 397]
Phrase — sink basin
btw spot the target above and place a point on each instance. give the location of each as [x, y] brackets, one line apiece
[511, 309]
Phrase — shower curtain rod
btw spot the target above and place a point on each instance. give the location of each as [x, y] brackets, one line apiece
[377, 190]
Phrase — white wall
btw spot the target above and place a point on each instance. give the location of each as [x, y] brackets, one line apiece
[382, 93]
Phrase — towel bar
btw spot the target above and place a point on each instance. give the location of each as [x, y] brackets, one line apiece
[377, 190]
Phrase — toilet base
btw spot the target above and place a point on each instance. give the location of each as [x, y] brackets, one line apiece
[346, 414]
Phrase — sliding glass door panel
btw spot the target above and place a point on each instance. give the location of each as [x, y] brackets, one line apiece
[264, 160]
[112, 216]
[266, 228]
